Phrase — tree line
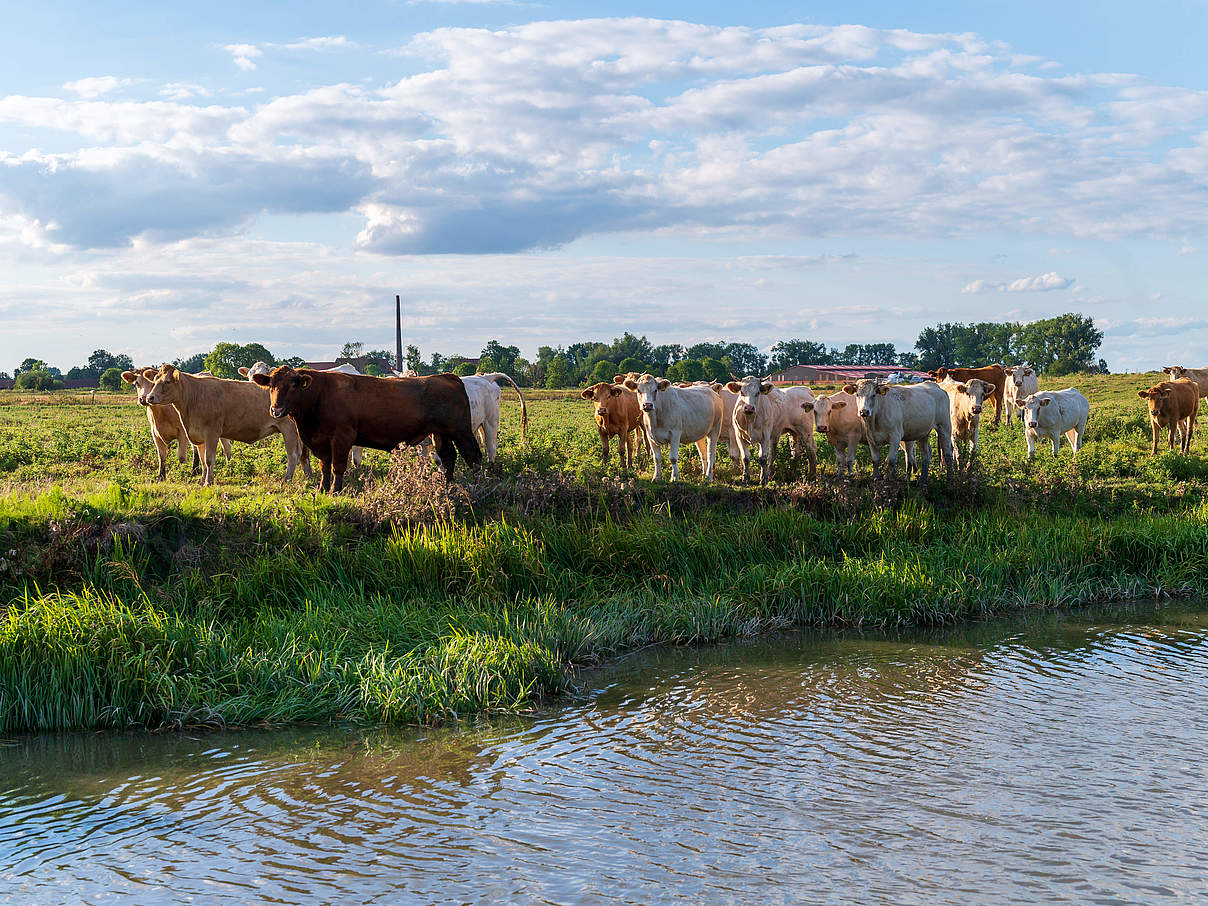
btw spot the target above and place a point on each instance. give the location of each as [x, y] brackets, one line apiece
[1065, 344]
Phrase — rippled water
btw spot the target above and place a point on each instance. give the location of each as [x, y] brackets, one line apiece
[1059, 759]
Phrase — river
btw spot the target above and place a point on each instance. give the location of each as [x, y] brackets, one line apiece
[1048, 758]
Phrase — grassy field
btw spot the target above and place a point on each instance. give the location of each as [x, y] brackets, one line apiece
[126, 602]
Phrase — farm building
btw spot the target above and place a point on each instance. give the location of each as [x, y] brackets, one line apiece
[834, 374]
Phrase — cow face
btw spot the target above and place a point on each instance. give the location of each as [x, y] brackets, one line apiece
[939, 374]
[749, 389]
[142, 381]
[823, 407]
[285, 386]
[602, 394]
[869, 396]
[1174, 372]
[1031, 409]
[1018, 373]
[165, 385]
[646, 387]
[977, 391]
[258, 368]
[1162, 406]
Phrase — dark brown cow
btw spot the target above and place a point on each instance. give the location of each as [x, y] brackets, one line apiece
[994, 375]
[1172, 405]
[334, 411]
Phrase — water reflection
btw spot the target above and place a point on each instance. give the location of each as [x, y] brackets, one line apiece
[1054, 759]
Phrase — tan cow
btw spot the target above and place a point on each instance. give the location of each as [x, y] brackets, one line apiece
[1173, 405]
[991, 374]
[617, 415]
[838, 417]
[801, 425]
[1022, 382]
[1197, 375]
[904, 416]
[212, 408]
[760, 417]
[966, 401]
[166, 428]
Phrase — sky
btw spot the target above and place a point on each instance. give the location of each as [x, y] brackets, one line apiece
[172, 176]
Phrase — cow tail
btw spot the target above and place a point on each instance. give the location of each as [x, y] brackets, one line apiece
[497, 376]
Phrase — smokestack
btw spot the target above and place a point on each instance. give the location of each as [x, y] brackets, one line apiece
[398, 334]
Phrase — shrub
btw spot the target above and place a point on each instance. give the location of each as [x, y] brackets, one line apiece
[112, 380]
[38, 379]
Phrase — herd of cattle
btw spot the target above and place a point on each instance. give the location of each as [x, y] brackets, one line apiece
[334, 413]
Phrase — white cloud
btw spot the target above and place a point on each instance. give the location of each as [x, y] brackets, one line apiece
[1042, 283]
[182, 91]
[244, 55]
[96, 86]
[336, 42]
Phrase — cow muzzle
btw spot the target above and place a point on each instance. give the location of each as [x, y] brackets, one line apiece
[749, 410]
[276, 411]
[865, 413]
[821, 429]
[1033, 424]
[977, 410]
[647, 407]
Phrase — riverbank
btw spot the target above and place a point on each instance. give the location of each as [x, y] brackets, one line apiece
[131, 604]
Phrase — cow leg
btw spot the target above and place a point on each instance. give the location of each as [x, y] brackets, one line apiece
[673, 455]
[339, 464]
[1056, 445]
[490, 436]
[355, 455]
[604, 445]
[325, 470]
[1155, 429]
[198, 449]
[924, 458]
[467, 446]
[744, 456]
[226, 447]
[767, 449]
[211, 459]
[811, 453]
[161, 447]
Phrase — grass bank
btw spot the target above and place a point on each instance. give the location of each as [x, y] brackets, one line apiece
[127, 603]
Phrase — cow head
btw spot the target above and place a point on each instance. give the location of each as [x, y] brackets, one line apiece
[749, 390]
[165, 385]
[977, 391]
[823, 407]
[646, 386]
[1018, 373]
[258, 368]
[285, 388]
[869, 396]
[1032, 406]
[142, 380]
[1162, 406]
[1174, 372]
[939, 374]
[602, 394]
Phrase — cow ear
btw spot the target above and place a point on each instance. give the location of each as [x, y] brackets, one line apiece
[765, 388]
[733, 386]
[1020, 404]
[618, 379]
[663, 384]
[808, 407]
[171, 373]
[243, 369]
[1143, 393]
[849, 388]
[261, 380]
[962, 388]
[1028, 371]
[839, 405]
[150, 373]
[1045, 401]
[129, 377]
[304, 381]
[631, 384]
[882, 389]
[587, 394]
[1008, 370]
[614, 390]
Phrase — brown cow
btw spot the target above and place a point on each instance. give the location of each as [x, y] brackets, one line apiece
[166, 428]
[334, 411]
[617, 415]
[994, 375]
[1198, 375]
[212, 408]
[1172, 405]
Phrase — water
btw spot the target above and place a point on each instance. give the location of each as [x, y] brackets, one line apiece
[1056, 759]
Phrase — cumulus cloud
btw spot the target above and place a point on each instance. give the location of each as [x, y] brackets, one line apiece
[1042, 283]
[531, 136]
[95, 86]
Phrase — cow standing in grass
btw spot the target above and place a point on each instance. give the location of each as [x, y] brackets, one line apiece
[1198, 376]
[995, 375]
[166, 427]
[1051, 414]
[966, 401]
[838, 417]
[617, 415]
[212, 408]
[334, 412]
[801, 425]
[1172, 405]
[1022, 382]
[760, 417]
[902, 417]
[674, 415]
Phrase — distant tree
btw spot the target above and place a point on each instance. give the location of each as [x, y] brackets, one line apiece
[700, 351]
[413, 361]
[81, 373]
[603, 370]
[631, 364]
[628, 346]
[102, 360]
[5, 376]
[798, 352]
[662, 356]
[351, 350]
[577, 353]
[386, 355]
[374, 370]
[464, 369]
[504, 357]
[111, 379]
[226, 359]
[37, 379]
[293, 361]
[744, 358]
[486, 365]
[437, 364]
[559, 373]
[524, 372]
[1103, 369]
[193, 364]
[1062, 345]
[714, 370]
[907, 360]
[686, 370]
[30, 365]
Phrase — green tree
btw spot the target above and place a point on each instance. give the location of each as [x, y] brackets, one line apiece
[787, 353]
[37, 379]
[705, 351]
[714, 370]
[414, 361]
[559, 373]
[351, 350]
[1061, 345]
[628, 346]
[102, 360]
[504, 357]
[464, 369]
[226, 359]
[373, 370]
[603, 370]
[192, 364]
[663, 356]
[30, 365]
[744, 358]
[294, 361]
[631, 364]
[111, 379]
[686, 370]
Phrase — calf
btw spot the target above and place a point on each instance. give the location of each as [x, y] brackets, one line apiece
[333, 412]
[1022, 382]
[166, 427]
[1053, 413]
[617, 415]
[903, 416]
[965, 406]
[838, 417]
[1199, 376]
[674, 415]
[995, 375]
[1172, 405]
[212, 408]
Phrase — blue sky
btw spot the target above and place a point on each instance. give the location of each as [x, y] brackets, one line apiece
[171, 177]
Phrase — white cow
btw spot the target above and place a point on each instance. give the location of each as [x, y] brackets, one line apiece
[966, 401]
[801, 425]
[485, 400]
[674, 415]
[1052, 414]
[354, 453]
[760, 417]
[838, 417]
[1022, 382]
[904, 416]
